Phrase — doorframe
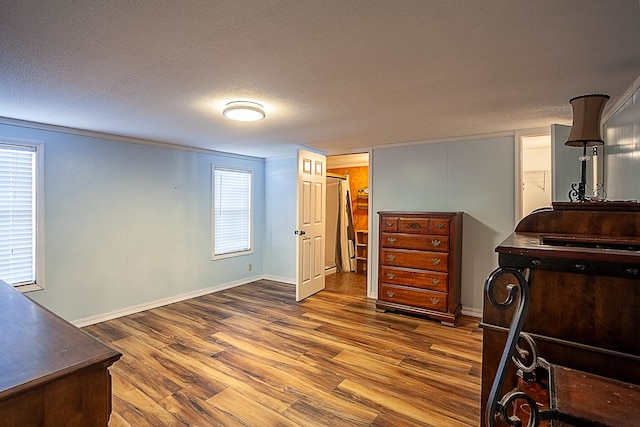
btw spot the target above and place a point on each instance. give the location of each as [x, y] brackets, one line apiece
[369, 152]
[372, 292]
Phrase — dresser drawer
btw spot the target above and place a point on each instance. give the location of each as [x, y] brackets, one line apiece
[415, 297]
[413, 225]
[436, 261]
[389, 224]
[439, 226]
[412, 241]
[415, 278]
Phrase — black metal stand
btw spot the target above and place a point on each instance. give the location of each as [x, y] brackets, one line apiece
[578, 190]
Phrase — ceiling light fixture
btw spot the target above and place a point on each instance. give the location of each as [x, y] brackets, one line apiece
[244, 111]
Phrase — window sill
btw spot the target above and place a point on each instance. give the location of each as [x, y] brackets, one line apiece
[28, 288]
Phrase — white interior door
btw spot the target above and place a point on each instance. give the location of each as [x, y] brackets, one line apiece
[564, 163]
[311, 205]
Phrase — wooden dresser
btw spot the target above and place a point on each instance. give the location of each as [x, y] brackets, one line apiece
[577, 295]
[419, 260]
[51, 373]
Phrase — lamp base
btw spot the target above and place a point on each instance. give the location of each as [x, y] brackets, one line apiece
[578, 189]
[578, 192]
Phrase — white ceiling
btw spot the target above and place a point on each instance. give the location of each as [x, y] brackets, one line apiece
[334, 75]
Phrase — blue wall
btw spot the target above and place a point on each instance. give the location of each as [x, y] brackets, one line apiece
[128, 224]
[474, 176]
[280, 240]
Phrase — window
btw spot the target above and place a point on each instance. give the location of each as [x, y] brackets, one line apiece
[20, 214]
[232, 228]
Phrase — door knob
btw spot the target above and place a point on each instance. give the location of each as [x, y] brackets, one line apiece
[300, 232]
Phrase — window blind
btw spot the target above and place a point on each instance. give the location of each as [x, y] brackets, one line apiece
[231, 210]
[17, 214]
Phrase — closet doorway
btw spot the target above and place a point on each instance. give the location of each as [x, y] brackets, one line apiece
[535, 173]
[347, 243]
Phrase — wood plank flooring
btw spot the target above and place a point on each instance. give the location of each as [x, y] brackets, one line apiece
[252, 356]
[347, 283]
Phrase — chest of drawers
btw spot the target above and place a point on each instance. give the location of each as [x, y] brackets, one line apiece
[419, 259]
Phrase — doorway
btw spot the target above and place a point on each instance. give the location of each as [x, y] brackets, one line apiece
[535, 173]
[348, 194]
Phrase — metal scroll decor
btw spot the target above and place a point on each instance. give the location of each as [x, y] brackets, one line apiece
[517, 293]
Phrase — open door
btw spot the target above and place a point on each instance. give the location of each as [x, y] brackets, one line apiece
[311, 205]
[565, 164]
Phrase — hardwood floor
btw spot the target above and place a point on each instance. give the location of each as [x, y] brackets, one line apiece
[347, 283]
[252, 356]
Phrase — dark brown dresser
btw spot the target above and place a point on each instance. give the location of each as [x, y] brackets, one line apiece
[419, 261]
[569, 279]
[51, 373]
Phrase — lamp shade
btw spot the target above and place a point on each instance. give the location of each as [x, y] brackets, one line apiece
[587, 113]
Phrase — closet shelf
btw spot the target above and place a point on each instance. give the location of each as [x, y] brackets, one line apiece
[362, 199]
[362, 244]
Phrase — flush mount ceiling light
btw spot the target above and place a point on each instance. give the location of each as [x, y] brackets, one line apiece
[244, 111]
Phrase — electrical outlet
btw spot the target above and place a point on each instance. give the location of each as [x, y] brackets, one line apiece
[250, 267]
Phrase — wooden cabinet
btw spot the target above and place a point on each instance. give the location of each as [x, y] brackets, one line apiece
[582, 263]
[51, 373]
[362, 245]
[419, 259]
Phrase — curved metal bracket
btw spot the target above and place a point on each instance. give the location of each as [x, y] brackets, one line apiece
[521, 289]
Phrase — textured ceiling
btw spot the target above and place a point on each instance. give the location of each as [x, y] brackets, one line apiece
[334, 75]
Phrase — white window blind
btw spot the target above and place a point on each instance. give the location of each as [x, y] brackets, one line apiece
[231, 211]
[17, 215]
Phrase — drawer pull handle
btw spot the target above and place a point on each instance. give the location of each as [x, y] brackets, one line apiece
[536, 262]
[391, 257]
[389, 224]
[436, 261]
[413, 225]
[391, 276]
[440, 226]
[632, 271]
[435, 301]
[580, 267]
[391, 239]
[435, 282]
[436, 243]
[390, 294]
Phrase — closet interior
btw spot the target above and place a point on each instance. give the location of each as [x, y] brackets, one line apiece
[346, 234]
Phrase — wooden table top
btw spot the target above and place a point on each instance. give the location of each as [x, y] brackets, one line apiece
[37, 346]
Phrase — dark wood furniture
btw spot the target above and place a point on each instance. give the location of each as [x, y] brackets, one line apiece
[576, 275]
[51, 373]
[419, 262]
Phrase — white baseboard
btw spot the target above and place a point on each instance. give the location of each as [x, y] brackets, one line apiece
[287, 280]
[473, 312]
[80, 323]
